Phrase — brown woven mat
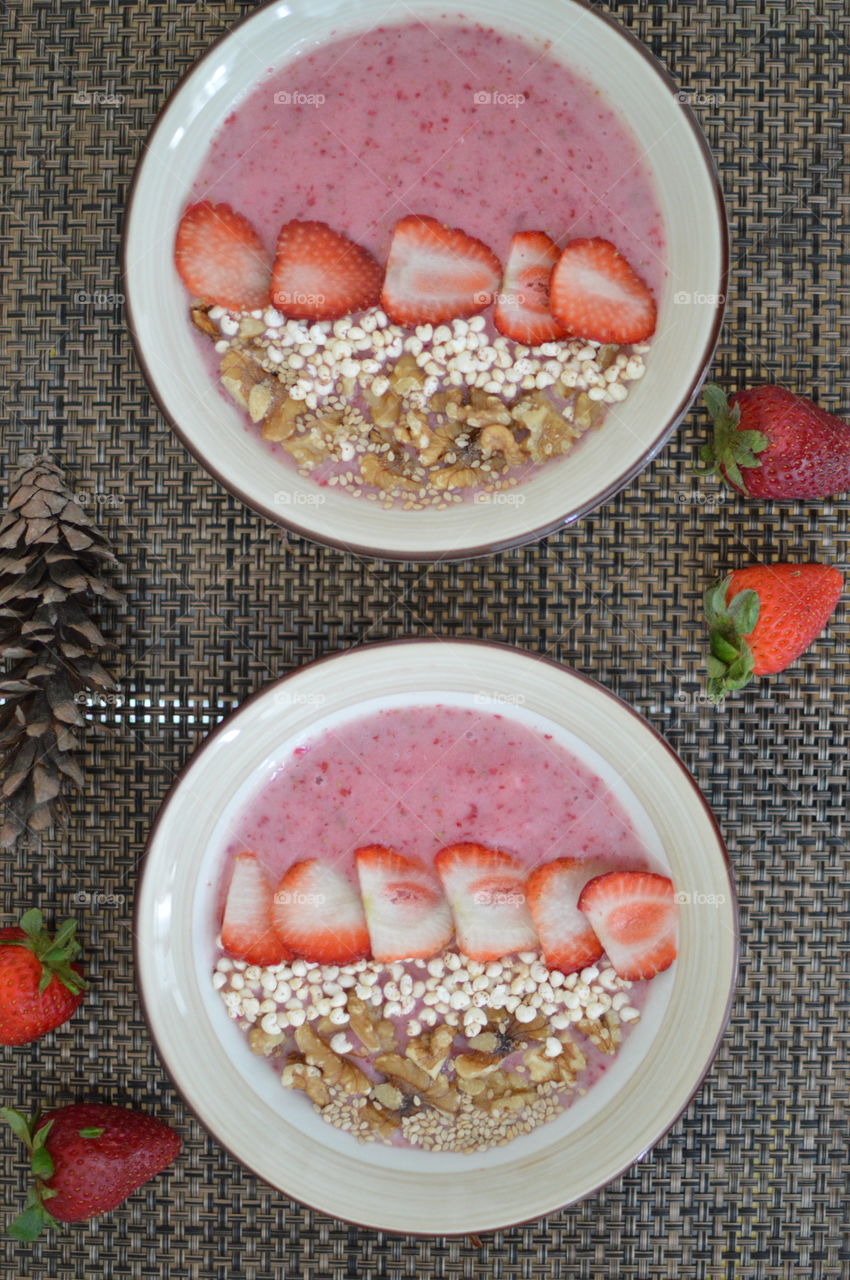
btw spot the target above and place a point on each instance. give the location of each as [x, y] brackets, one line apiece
[752, 1181]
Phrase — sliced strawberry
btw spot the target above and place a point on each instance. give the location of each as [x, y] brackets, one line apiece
[319, 274]
[221, 258]
[634, 915]
[553, 890]
[522, 303]
[486, 890]
[437, 273]
[319, 915]
[596, 294]
[406, 911]
[247, 930]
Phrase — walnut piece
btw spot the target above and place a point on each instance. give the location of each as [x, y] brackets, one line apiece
[201, 320]
[406, 376]
[298, 1075]
[549, 432]
[263, 1043]
[497, 438]
[376, 471]
[457, 476]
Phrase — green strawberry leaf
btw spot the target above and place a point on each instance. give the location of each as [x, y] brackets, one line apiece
[19, 1124]
[90, 1133]
[32, 922]
[40, 1134]
[730, 659]
[744, 610]
[29, 1225]
[42, 1164]
[729, 449]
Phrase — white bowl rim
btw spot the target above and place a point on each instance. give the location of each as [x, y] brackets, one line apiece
[495, 545]
[226, 723]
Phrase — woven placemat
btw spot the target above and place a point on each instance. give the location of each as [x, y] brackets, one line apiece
[752, 1180]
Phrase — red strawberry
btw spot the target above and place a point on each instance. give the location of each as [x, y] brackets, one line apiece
[595, 294]
[319, 274]
[763, 617]
[634, 915]
[486, 890]
[319, 915]
[87, 1158]
[770, 443]
[248, 930]
[522, 303]
[437, 273]
[406, 911]
[221, 258]
[40, 987]
[553, 891]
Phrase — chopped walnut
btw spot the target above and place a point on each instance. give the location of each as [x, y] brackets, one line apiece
[201, 320]
[376, 471]
[406, 376]
[264, 1043]
[431, 1049]
[497, 438]
[385, 408]
[334, 1068]
[549, 433]
[456, 476]
[472, 1065]
[282, 422]
[362, 1023]
[307, 1078]
[587, 413]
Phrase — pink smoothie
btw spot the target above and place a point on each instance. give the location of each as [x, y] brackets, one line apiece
[418, 778]
[476, 128]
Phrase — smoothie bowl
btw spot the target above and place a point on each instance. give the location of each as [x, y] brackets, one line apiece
[440, 940]
[425, 283]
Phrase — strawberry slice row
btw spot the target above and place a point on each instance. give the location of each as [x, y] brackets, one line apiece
[405, 910]
[434, 274]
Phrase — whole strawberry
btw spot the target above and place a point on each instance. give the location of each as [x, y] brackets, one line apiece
[40, 986]
[770, 443]
[86, 1159]
[763, 617]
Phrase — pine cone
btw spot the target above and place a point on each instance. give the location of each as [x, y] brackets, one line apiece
[51, 559]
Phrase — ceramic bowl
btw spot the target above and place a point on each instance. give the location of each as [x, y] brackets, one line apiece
[273, 1131]
[690, 304]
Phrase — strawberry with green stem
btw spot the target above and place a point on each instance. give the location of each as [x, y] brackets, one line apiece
[40, 983]
[86, 1158]
[770, 443]
[763, 617]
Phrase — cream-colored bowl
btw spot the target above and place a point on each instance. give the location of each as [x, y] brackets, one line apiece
[274, 1132]
[690, 305]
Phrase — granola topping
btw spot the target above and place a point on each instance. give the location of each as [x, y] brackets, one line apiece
[419, 418]
[448, 1054]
